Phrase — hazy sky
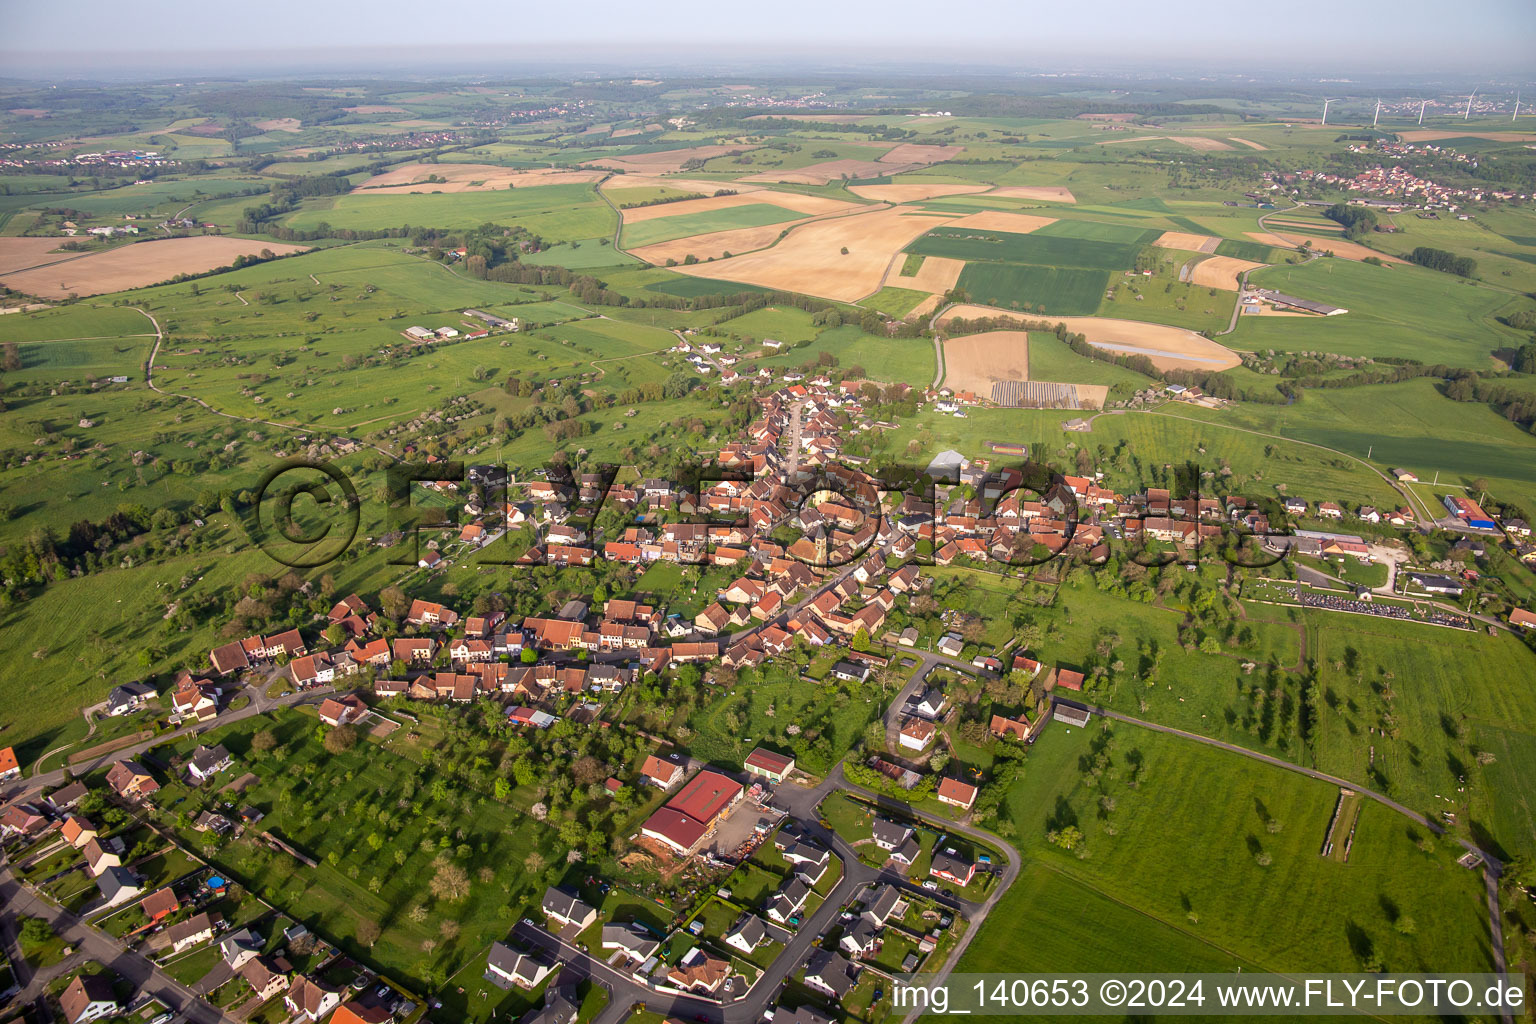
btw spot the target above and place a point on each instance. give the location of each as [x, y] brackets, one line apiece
[1472, 36]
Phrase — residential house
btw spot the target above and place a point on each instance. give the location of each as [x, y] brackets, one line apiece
[784, 906]
[308, 1000]
[206, 762]
[240, 947]
[188, 933]
[830, 973]
[951, 867]
[661, 772]
[99, 857]
[888, 835]
[699, 972]
[956, 793]
[128, 698]
[66, 797]
[131, 781]
[160, 904]
[22, 820]
[263, 977]
[118, 885]
[89, 997]
[567, 910]
[508, 968]
[10, 768]
[883, 905]
[917, 733]
[635, 943]
[747, 934]
[342, 710]
[77, 831]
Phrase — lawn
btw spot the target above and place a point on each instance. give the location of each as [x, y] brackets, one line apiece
[896, 360]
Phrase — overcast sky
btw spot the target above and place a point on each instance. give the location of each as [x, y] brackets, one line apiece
[1405, 36]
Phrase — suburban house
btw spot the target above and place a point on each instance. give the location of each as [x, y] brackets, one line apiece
[956, 793]
[882, 905]
[130, 781]
[661, 772]
[22, 820]
[89, 997]
[206, 762]
[240, 947]
[637, 945]
[342, 710]
[507, 968]
[830, 973]
[10, 768]
[98, 857]
[308, 1000]
[160, 904]
[917, 733]
[747, 934]
[769, 765]
[699, 972]
[888, 835]
[950, 867]
[263, 978]
[77, 831]
[784, 905]
[66, 797]
[188, 933]
[128, 698]
[561, 906]
[118, 885]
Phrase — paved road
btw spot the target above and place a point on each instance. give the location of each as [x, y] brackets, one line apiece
[104, 949]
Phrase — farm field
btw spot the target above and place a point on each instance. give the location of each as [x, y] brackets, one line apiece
[1405, 312]
[1035, 247]
[1167, 347]
[135, 266]
[1028, 288]
[1254, 908]
[413, 178]
[811, 259]
[685, 225]
[555, 212]
[976, 361]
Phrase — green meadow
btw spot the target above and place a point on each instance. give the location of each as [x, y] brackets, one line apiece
[554, 212]
[1263, 897]
[1400, 311]
[664, 229]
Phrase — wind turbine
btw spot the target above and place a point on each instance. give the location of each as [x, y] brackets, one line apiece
[1468, 114]
[1377, 117]
[1422, 105]
[1326, 101]
[1517, 107]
